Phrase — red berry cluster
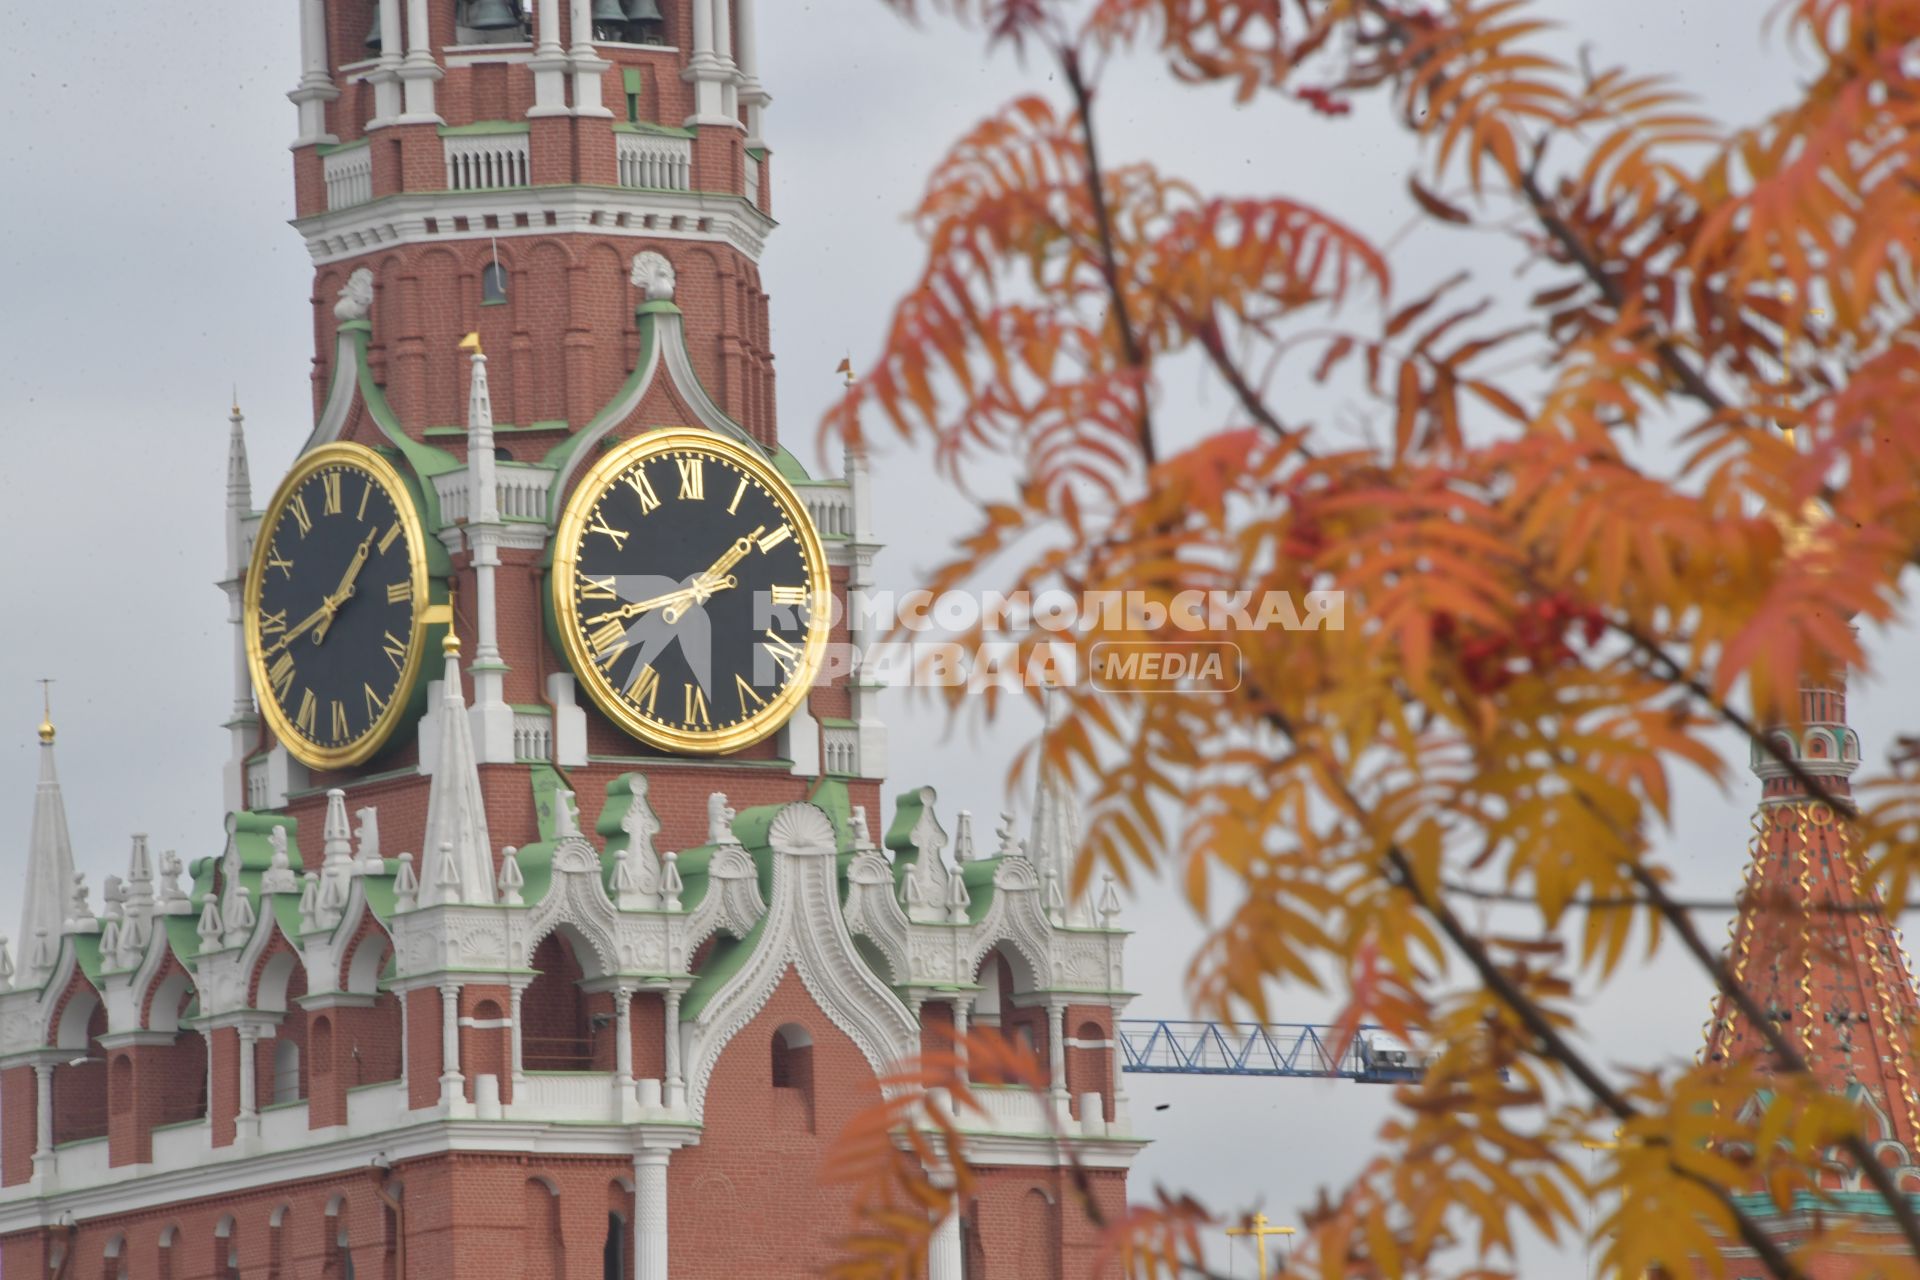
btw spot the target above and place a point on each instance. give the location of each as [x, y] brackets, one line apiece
[1541, 638]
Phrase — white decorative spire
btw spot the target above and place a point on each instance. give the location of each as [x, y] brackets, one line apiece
[512, 881]
[336, 842]
[46, 894]
[963, 839]
[1054, 843]
[457, 862]
[242, 725]
[492, 717]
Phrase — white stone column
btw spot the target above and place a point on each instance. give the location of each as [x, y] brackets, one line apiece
[549, 63]
[623, 1046]
[650, 1215]
[960, 1008]
[452, 1083]
[753, 94]
[316, 89]
[490, 716]
[1057, 1058]
[943, 1251]
[676, 1086]
[519, 1071]
[419, 72]
[248, 1123]
[588, 66]
[705, 70]
[42, 1120]
[723, 52]
[386, 81]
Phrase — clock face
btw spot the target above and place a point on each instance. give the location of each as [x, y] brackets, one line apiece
[690, 591]
[335, 606]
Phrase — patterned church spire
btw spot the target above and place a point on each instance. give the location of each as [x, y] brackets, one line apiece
[456, 864]
[49, 883]
[1829, 974]
[1054, 842]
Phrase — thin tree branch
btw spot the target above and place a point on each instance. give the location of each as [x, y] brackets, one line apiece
[1130, 347]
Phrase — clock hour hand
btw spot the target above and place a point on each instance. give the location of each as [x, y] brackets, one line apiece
[300, 628]
[344, 591]
[716, 577]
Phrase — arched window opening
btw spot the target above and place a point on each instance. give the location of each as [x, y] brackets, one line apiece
[277, 1243]
[492, 21]
[80, 1081]
[1039, 1237]
[555, 1032]
[542, 1257]
[226, 1250]
[116, 1259]
[120, 1088]
[493, 285]
[613, 1255]
[286, 1072]
[792, 1072]
[165, 1268]
[338, 1263]
[629, 21]
[373, 32]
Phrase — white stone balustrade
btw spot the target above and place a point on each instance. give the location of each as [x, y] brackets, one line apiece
[521, 493]
[487, 161]
[348, 176]
[654, 162]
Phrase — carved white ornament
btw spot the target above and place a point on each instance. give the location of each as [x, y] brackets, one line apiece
[653, 275]
[356, 296]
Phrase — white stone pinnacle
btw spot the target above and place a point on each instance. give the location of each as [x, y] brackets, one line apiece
[46, 893]
[456, 812]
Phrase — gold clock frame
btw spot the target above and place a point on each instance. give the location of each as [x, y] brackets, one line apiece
[414, 531]
[571, 529]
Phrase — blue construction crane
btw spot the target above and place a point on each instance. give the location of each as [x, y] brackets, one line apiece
[1304, 1051]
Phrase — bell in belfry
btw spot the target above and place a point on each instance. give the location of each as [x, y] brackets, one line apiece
[643, 10]
[608, 11]
[492, 15]
[373, 34]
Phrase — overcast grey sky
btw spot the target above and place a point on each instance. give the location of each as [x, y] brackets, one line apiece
[146, 268]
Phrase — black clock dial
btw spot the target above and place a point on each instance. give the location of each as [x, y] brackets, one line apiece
[334, 607]
[689, 587]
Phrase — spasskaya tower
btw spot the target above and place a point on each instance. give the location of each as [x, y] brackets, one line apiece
[558, 924]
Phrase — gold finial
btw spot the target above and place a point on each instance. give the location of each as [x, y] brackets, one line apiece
[450, 643]
[846, 371]
[236, 399]
[471, 343]
[46, 712]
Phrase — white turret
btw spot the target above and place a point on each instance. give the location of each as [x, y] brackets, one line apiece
[242, 720]
[46, 895]
[456, 856]
[492, 717]
[863, 690]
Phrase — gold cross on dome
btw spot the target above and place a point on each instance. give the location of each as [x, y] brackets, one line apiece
[1259, 1228]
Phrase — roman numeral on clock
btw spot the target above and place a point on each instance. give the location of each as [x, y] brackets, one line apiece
[280, 677]
[309, 713]
[395, 648]
[644, 688]
[340, 731]
[693, 478]
[746, 692]
[330, 482]
[618, 536]
[775, 538]
[375, 703]
[788, 595]
[649, 500]
[272, 624]
[597, 589]
[696, 708]
[782, 652]
[298, 510]
[399, 592]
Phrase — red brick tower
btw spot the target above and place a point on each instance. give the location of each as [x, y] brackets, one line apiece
[493, 983]
[1835, 982]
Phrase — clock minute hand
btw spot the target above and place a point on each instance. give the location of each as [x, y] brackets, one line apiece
[344, 592]
[716, 577]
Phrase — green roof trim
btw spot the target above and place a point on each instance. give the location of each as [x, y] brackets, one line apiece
[335, 148]
[647, 126]
[86, 953]
[426, 461]
[790, 467]
[632, 80]
[482, 128]
[558, 457]
[725, 962]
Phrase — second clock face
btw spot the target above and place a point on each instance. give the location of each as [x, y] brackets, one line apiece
[334, 606]
[690, 591]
